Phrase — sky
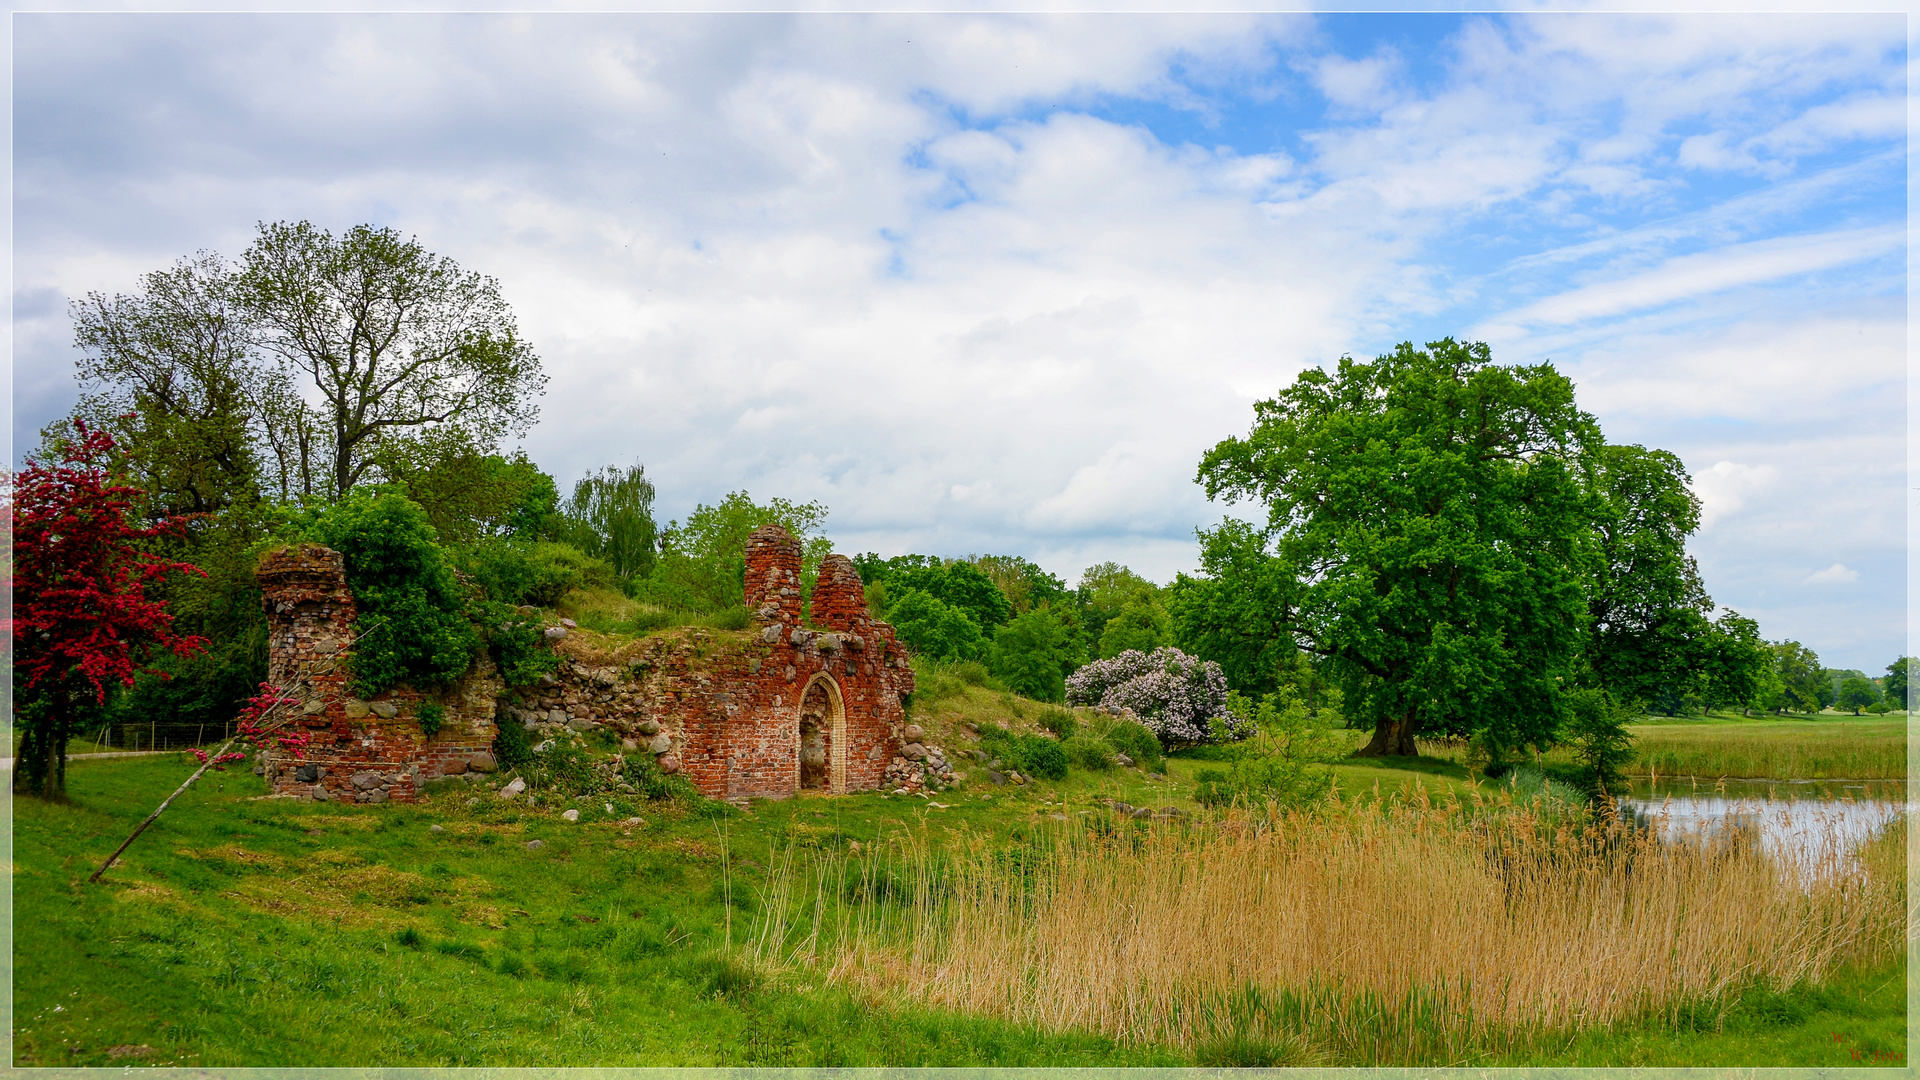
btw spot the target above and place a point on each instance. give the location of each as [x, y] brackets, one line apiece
[993, 283]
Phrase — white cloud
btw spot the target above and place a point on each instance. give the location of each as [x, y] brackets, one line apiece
[1837, 574]
[1725, 488]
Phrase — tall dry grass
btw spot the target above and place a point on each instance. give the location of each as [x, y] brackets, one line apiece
[1385, 932]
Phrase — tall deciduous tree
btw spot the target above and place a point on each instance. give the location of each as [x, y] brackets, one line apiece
[612, 514]
[395, 339]
[1429, 526]
[82, 621]
[1647, 608]
[1895, 684]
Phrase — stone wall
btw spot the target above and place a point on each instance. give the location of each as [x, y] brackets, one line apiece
[735, 711]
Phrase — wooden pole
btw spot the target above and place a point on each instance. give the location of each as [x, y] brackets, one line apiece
[301, 702]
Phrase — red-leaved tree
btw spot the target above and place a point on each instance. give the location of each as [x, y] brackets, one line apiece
[81, 618]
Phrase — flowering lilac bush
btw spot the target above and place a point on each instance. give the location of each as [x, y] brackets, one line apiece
[1182, 698]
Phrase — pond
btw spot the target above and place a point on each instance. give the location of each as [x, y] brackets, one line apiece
[1809, 820]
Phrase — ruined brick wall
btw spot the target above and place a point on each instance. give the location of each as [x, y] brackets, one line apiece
[727, 708]
[360, 751]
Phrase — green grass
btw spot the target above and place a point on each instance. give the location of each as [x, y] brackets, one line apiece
[241, 931]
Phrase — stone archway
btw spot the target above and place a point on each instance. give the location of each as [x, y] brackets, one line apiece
[822, 737]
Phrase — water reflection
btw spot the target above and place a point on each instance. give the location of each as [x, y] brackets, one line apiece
[1808, 822]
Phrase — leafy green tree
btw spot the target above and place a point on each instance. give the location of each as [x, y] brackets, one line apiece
[1033, 653]
[1429, 522]
[1735, 663]
[1596, 724]
[469, 494]
[935, 629]
[1856, 693]
[1025, 585]
[703, 563]
[1803, 682]
[1647, 609]
[413, 625]
[612, 515]
[960, 585]
[1236, 612]
[1894, 686]
[1141, 624]
[1105, 588]
[397, 341]
[170, 371]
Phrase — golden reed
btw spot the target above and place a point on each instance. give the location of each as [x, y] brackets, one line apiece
[1361, 931]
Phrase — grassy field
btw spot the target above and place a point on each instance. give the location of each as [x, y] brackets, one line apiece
[1826, 747]
[244, 931]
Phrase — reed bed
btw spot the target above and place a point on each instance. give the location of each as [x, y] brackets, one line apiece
[1840, 752]
[1386, 932]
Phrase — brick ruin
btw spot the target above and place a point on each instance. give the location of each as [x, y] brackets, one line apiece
[765, 712]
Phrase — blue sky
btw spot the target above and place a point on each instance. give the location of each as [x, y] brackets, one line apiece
[987, 283]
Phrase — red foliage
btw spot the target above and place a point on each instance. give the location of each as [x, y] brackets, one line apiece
[255, 730]
[79, 589]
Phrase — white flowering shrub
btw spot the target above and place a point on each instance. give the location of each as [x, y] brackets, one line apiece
[1182, 698]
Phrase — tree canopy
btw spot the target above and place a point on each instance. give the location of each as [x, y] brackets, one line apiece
[1428, 532]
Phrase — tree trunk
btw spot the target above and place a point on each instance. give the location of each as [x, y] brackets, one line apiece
[1392, 737]
[41, 767]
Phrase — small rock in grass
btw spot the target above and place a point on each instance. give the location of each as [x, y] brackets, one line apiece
[536, 845]
[473, 801]
[899, 791]
[996, 778]
[1124, 760]
[519, 785]
[1143, 813]
[435, 828]
[631, 822]
[571, 815]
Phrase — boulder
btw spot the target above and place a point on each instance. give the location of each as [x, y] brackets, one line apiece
[912, 733]
[516, 787]
[385, 710]
[913, 751]
[995, 778]
[649, 727]
[1124, 760]
[320, 794]
[553, 634]
[307, 773]
[569, 624]
[571, 815]
[662, 743]
[669, 763]
[629, 744]
[355, 709]
[556, 717]
[482, 762]
[377, 795]
[454, 767]
[364, 780]
[313, 708]
[581, 723]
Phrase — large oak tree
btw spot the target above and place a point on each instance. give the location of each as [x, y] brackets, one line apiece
[1428, 532]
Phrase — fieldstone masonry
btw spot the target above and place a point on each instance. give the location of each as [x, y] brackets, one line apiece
[760, 713]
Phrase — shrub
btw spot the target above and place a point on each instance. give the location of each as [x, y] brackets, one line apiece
[1060, 722]
[972, 672]
[644, 773]
[1087, 752]
[413, 622]
[512, 745]
[1597, 725]
[1040, 756]
[1181, 698]
[1135, 741]
[516, 644]
[430, 716]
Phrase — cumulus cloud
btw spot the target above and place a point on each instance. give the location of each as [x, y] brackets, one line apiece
[1837, 574]
[994, 283]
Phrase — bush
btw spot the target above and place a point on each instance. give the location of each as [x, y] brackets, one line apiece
[431, 716]
[530, 573]
[413, 621]
[1087, 752]
[1597, 725]
[516, 643]
[972, 672]
[1040, 756]
[644, 773]
[1181, 698]
[1060, 722]
[512, 745]
[1135, 741]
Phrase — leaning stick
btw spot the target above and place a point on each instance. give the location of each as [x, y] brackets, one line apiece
[330, 659]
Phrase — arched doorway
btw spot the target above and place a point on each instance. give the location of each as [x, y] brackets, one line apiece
[823, 737]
